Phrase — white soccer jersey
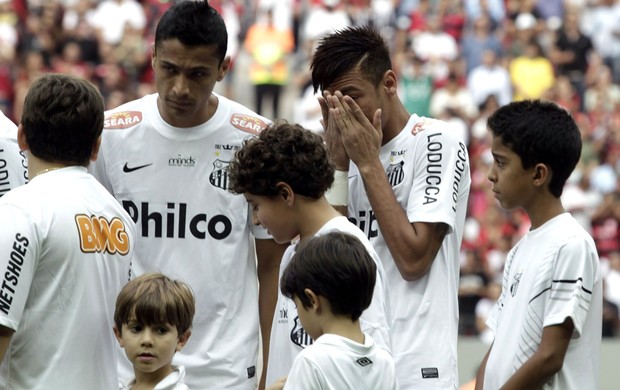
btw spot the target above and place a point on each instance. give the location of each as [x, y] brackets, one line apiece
[288, 337]
[430, 177]
[174, 184]
[335, 362]
[13, 164]
[174, 381]
[552, 274]
[65, 253]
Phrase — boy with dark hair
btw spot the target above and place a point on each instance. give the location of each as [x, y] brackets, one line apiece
[331, 279]
[165, 158]
[547, 321]
[65, 248]
[407, 193]
[284, 173]
[152, 321]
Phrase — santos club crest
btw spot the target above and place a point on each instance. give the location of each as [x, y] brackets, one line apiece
[219, 176]
[299, 336]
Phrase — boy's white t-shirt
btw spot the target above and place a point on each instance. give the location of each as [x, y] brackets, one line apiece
[174, 183]
[430, 177]
[288, 337]
[66, 247]
[13, 163]
[336, 362]
[552, 274]
[174, 381]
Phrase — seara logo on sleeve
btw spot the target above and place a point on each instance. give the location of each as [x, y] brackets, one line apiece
[97, 234]
[122, 120]
[247, 123]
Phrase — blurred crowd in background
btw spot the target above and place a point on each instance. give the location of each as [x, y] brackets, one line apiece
[457, 60]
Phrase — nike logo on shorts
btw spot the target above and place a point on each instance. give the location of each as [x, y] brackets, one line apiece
[128, 169]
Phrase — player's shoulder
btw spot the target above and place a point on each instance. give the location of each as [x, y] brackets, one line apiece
[241, 118]
[129, 114]
[8, 129]
[432, 130]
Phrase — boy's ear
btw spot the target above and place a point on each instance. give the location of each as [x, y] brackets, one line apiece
[286, 193]
[95, 151]
[314, 299]
[183, 339]
[542, 175]
[118, 335]
[21, 138]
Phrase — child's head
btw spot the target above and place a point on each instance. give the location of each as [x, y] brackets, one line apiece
[539, 132]
[280, 172]
[62, 119]
[335, 266]
[282, 153]
[153, 320]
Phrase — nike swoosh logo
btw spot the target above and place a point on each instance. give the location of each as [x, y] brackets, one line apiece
[127, 169]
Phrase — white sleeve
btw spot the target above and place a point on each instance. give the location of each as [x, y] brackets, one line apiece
[441, 170]
[304, 375]
[19, 253]
[575, 275]
[13, 165]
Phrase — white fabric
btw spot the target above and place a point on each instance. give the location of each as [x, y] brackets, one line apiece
[112, 17]
[13, 164]
[484, 81]
[430, 177]
[552, 274]
[335, 362]
[174, 381]
[288, 337]
[58, 290]
[192, 228]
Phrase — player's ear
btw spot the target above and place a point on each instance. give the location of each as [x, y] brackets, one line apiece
[223, 68]
[153, 55]
[21, 138]
[389, 82]
[118, 335]
[286, 193]
[95, 152]
[183, 339]
[541, 174]
[313, 298]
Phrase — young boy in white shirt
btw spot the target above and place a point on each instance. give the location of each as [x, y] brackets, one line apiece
[331, 280]
[152, 321]
[547, 320]
[284, 173]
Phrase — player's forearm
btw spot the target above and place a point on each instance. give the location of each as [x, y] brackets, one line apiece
[534, 373]
[412, 254]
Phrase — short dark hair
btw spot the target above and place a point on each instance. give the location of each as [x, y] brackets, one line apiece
[540, 132]
[344, 50]
[336, 266]
[62, 119]
[154, 299]
[193, 23]
[283, 152]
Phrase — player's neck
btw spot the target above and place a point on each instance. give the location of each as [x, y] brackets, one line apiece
[543, 210]
[37, 166]
[314, 214]
[344, 327]
[148, 380]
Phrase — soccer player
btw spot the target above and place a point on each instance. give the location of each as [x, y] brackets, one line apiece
[165, 158]
[547, 321]
[65, 248]
[407, 193]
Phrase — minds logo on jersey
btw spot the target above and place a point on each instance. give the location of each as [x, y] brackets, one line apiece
[247, 123]
[98, 234]
[182, 161]
[122, 120]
